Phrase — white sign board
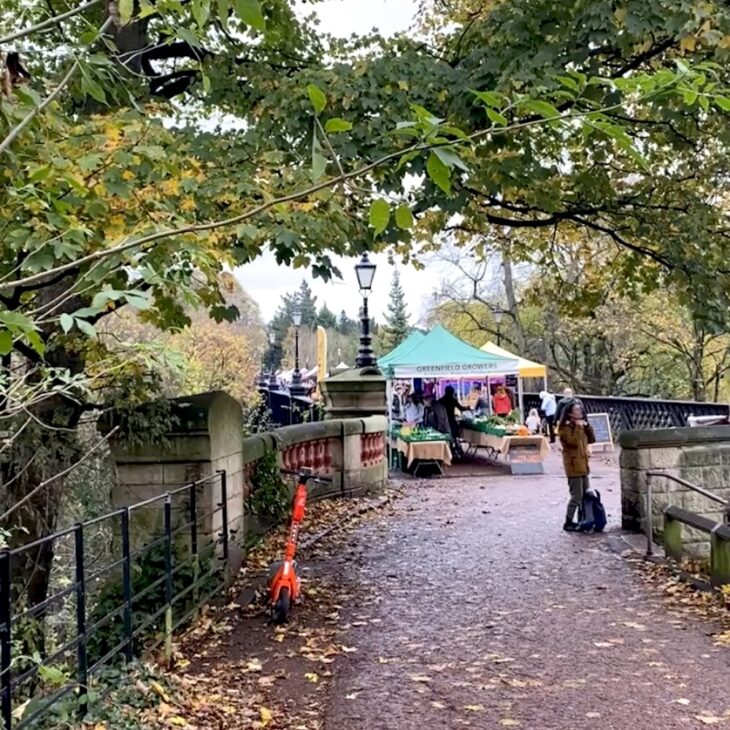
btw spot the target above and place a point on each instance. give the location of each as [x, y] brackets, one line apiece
[456, 370]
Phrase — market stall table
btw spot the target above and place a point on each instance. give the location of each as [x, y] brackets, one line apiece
[426, 448]
[524, 454]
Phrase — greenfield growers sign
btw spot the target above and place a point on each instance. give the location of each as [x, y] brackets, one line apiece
[457, 369]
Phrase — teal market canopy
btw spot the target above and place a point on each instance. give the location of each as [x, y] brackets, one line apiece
[440, 354]
[408, 344]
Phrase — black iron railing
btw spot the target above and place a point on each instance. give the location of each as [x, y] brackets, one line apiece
[628, 414]
[287, 410]
[121, 584]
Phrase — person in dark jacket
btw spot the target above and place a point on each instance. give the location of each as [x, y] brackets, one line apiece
[450, 403]
[576, 435]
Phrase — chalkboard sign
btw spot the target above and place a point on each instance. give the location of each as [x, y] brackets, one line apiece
[602, 428]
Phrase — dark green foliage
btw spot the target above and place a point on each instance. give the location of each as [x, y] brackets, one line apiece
[270, 497]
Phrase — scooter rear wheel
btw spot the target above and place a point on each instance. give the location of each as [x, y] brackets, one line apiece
[280, 610]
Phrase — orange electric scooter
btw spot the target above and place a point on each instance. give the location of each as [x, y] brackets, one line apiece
[284, 583]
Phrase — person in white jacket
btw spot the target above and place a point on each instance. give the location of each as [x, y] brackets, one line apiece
[548, 406]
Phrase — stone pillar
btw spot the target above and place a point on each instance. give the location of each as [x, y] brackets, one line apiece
[206, 437]
[700, 456]
[356, 393]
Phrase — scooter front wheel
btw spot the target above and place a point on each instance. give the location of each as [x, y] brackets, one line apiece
[280, 609]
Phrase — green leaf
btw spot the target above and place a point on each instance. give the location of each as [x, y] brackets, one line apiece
[91, 88]
[438, 172]
[723, 103]
[35, 341]
[126, 8]
[497, 118]
[67, 322]
[544, 108]
[223, 11]
[490, 98]
[86, 327]
[337, 125]
[52, 675]
[379, 215]
[16, 321]
[317, 97]
[201, 12]
[319, 161]
[249, 11]
[450, 158]
[6, 342]
[189, 37]
[403, 217]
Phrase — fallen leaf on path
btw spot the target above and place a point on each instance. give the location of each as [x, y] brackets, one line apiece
[593, 715]
[474, 708]
[709, 719]
[682, 701]
[266, 716]
[312, 677]
[509, 722]
[159, 690]
[419, 678]
[438, 705]
[253, 666]
[178, 721]
[602, 644]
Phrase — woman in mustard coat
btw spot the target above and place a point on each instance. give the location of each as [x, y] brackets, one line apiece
[576, 434]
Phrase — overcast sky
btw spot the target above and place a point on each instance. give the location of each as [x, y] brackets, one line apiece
[266, 281]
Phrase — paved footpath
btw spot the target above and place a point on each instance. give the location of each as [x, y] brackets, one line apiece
[474, 609]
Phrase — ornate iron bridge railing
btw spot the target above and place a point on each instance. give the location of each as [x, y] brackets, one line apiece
[627, 414]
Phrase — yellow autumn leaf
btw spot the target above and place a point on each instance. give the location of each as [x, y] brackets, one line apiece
[159, 690]
[266, 716]
[128, 175]
[710, 719]
[312, 677]
[688, 43]
[170, 186]
[178, 721]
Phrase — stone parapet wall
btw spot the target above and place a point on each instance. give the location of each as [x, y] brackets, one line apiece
[208, 437]
[700, 456]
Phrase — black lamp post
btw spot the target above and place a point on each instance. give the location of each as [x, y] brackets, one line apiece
[297, 387]
[365, 271]
[273, 382]
[498, 314]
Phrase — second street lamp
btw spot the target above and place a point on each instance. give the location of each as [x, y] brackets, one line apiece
[365, 272]
[297, 387]
[498, 314]
[273, 382]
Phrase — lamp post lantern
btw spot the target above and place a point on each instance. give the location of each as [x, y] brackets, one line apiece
[365, 272]
[297, 387]
[273, 382]
[498, 314]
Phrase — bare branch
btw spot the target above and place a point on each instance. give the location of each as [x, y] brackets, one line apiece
[49, 22]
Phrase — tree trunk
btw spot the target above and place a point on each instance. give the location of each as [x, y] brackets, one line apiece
[512, 304]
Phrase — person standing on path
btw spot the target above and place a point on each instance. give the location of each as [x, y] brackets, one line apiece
[576, 434]
[548, 406]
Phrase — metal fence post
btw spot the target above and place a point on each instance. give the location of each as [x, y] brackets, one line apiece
[127, 585]
[194, 540]
[168, 578]
[82, 668]
[5, 646]
[224, 516]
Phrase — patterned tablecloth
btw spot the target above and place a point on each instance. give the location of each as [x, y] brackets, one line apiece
[425, 451]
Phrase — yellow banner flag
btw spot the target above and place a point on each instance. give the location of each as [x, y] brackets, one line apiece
[321, 354]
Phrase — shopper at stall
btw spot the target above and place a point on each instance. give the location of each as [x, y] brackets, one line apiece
[548, 406]
[501, 402]
[576, 434]
[414, 410]
[450, 403]
[435, 416]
